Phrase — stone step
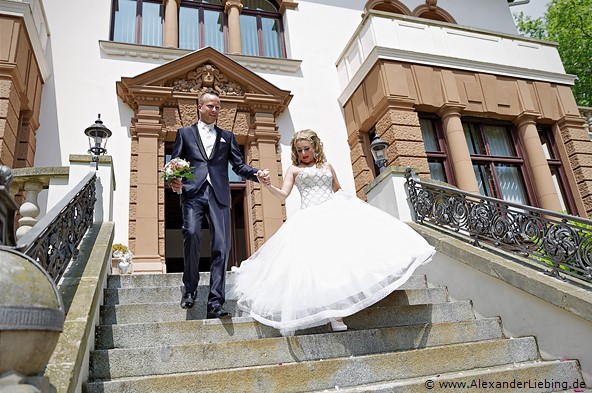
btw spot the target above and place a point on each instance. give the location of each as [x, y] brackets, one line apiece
[167, 358]
[375, 316]
[170, 294]
[176, 280]
[320, 374]
[207, 331]
[537, 376]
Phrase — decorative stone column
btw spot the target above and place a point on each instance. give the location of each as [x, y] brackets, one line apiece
[268, 214]
[460, 157]
[545, 190]
[144, 231]
[233, 9]
[171, 23]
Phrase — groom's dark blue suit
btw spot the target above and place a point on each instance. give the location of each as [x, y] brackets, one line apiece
[200, 198]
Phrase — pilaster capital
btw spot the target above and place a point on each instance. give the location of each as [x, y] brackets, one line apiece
[526, 118]
[569, 121]
[451, 109]
[266, 136]
[228, 4]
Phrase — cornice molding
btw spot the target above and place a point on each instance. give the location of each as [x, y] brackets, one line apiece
[133, 51]
[382, 53]
[37, 29]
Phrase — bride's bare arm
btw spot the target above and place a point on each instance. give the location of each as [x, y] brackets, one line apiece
[282, 193]
[336, 185]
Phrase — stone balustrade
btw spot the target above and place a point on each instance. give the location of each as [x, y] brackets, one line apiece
[32, 181]
[586, 113]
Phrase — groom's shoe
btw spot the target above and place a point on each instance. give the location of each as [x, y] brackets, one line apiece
[218, 312]
[188, 299]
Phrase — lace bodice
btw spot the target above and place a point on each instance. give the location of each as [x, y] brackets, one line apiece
[315, 186]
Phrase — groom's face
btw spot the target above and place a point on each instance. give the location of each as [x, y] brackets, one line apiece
[208, 110]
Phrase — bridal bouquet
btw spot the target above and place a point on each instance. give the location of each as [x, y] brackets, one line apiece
[177, 168]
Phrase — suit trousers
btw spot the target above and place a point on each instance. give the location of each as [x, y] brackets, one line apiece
[205, 204]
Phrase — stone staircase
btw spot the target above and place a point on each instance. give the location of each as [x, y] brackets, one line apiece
[414, 339]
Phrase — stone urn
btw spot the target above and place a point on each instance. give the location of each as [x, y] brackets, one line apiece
[31, 315]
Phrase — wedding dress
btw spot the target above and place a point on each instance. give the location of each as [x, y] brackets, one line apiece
[333, 258]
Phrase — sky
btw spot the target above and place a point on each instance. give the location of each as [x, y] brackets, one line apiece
[535, 9]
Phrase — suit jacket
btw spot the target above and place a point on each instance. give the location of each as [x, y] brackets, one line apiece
[188, 145]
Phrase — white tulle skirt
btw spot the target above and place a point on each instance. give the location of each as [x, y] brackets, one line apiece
[327, 261]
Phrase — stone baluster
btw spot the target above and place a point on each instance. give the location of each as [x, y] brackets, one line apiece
[29, 210]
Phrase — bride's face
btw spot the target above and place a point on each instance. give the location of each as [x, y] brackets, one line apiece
[305, 152]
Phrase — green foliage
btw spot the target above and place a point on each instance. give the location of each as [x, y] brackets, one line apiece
[119, 247]
[546, 258]
[569, 23]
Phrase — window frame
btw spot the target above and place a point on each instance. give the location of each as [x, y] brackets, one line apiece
[519, 160]
[554, 161]
[201, 7]
[442, 155]
[138, 20]
[259, 14]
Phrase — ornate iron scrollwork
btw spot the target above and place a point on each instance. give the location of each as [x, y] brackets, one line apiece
[53, 241]
[557, 241]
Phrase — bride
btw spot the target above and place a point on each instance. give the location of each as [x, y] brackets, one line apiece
[327, 261]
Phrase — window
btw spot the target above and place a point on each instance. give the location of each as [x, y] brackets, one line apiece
[202, 23]
[137, 22]
[435, 146]
[498, 166]
[261, 29]
[557, 171]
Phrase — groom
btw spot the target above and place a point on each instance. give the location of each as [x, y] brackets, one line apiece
[209, 149]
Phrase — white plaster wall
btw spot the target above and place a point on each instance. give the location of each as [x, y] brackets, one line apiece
[82, 85]
[82, 82]
[493, 15]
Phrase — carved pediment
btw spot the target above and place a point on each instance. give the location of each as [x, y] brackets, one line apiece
[207, 76]
[190, 75]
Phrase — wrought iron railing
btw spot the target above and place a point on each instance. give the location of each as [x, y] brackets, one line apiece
[559, 242]
[53, 240]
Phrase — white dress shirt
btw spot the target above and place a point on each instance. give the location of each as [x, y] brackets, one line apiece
[207, 133]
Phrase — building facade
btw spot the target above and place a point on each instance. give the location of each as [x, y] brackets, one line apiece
[449, 84]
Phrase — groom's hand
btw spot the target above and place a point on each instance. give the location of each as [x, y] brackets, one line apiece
[176, 184]
[264, 178]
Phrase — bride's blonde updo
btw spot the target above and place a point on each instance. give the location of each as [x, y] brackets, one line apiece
[314, 140]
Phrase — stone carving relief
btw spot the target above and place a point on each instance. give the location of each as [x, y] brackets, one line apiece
[206, 77]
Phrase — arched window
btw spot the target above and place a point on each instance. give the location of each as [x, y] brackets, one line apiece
[434, 13]
[137, 22]
[394, 6]
[202, 23]
[261, 29]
